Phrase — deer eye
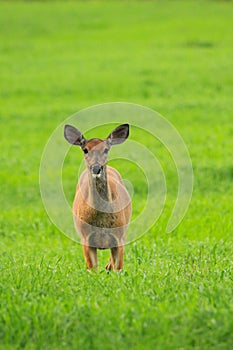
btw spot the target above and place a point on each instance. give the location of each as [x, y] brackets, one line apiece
[85, 150]
[106, 151]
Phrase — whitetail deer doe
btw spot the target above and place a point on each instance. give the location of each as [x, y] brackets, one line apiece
[102, 205]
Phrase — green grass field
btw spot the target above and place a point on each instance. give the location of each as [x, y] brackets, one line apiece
[176, 289]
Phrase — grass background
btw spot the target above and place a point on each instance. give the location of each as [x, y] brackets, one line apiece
[175, 57]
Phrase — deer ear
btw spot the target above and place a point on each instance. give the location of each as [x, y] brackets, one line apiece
[119, 134]
[74, 136]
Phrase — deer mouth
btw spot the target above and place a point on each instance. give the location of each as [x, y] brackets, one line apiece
[96, 176]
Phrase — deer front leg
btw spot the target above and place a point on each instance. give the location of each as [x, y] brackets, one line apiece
[116, 260]
[109, 266]
[90, 255]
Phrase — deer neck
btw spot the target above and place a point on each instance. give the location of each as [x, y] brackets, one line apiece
[99, 189]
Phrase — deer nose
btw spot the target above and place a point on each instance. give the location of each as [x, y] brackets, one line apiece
[96, 169]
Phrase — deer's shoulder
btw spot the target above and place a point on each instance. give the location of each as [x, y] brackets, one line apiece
[113, 173]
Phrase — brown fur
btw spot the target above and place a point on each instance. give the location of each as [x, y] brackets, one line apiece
[95, 226]
[102, 206]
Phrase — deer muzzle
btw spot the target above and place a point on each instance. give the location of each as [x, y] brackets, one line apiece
[96, 170]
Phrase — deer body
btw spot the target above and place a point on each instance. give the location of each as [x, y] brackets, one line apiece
[102, 206]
